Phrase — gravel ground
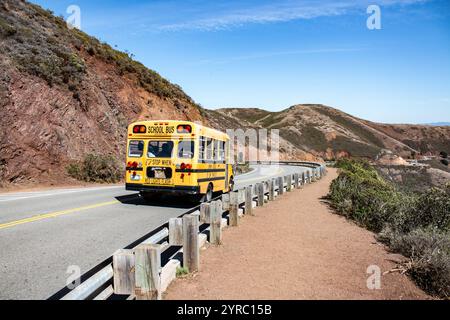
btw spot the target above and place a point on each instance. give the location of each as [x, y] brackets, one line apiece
[295, 248]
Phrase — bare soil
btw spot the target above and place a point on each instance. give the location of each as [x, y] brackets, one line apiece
[295, 248]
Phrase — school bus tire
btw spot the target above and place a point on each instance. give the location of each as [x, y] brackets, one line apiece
[209, 194]
[231, 184]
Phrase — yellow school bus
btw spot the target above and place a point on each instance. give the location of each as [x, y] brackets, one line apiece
[178, 157]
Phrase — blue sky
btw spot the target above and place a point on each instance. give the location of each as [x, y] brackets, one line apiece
[274, 54]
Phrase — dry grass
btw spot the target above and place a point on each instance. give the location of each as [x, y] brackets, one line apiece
[416, 225]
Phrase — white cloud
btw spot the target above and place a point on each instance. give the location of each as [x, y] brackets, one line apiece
[282, 11]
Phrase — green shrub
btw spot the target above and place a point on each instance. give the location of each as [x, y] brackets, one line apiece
[429, 253]
[416, 225]
[6, 29]
[182, 271]
[242, 168]
[75, 171]
[96, 168]
[360, 194]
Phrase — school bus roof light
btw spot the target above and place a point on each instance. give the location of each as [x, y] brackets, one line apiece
[184, 128]
[139, 129]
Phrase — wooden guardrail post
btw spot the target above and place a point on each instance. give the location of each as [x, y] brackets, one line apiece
[271, 190]
[176, 232]
[249, 200]
[274, 187]
[205, 213]
[280, 186]
[266, 187]
[123, 266]
[191, 249]
[260, 193]
[226, 201]
[234, 209]
[215, 234]
[296, 181]
[289, 183]
[147, 272]
[241, 195]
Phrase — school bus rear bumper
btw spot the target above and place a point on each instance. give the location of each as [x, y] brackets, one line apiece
[156, 189]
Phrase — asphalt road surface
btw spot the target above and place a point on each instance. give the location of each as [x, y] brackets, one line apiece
[43, 233]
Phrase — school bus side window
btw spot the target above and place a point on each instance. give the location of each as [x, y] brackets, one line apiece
[222, 151]
[218, 148]
[136, 148]
[201, 149]
[209, 149]
[186, 149]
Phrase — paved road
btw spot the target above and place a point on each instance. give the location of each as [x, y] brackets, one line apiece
[42, 233]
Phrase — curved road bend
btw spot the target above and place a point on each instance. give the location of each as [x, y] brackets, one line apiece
[42, 233]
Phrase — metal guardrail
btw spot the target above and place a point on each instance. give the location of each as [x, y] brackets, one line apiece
[96, 284]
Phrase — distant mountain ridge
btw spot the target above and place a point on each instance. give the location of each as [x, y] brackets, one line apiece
[330, 133]
[438, 124]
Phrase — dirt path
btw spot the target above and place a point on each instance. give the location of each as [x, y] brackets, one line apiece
[295, 248]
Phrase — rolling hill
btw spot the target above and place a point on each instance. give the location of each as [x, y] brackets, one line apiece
[330, 133]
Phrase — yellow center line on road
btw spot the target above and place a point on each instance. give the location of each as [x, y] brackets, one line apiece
[55, 214]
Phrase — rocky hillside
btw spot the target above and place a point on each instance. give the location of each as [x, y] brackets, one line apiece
[224, 120]
[64, 94]
[329, 133]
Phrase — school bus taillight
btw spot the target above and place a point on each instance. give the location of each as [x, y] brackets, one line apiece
[185, 166]
[184, 128]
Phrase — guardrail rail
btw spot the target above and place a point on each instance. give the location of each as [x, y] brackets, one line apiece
[145, 268]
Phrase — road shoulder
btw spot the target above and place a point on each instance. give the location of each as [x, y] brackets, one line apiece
[295, 248]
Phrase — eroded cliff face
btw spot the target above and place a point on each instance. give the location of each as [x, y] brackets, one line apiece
[44, 128]
[64, 94]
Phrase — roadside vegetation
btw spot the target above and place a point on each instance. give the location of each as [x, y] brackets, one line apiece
[242, 168]
[416, 225]
[39, 43]
[182, 271]
[96, 168]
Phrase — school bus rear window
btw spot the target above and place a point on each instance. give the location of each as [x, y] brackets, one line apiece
[136, 148]
[160, 149]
